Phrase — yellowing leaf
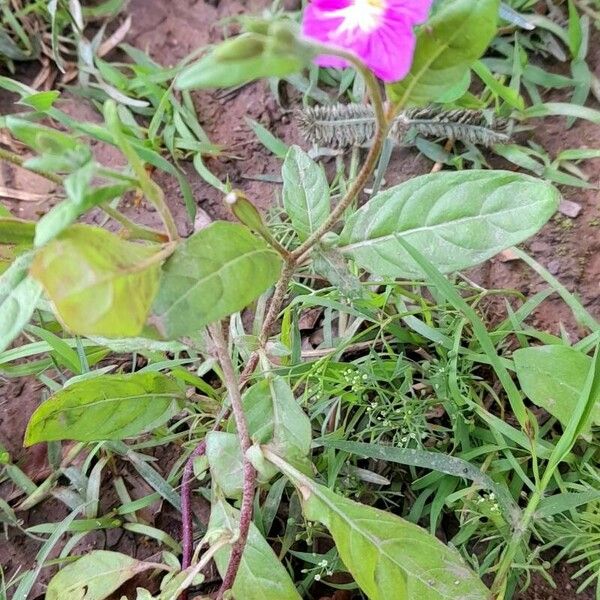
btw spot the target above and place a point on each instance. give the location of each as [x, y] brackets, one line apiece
[94, 576]
[98, 283]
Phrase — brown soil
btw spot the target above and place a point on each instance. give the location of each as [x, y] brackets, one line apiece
[171, 30]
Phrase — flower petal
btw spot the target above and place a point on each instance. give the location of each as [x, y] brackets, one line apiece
[416, 11]
[387, 49]
[389, 52]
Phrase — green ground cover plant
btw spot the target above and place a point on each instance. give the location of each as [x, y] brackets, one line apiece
[333, 467]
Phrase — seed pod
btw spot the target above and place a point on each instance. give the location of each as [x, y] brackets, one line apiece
[247, 45]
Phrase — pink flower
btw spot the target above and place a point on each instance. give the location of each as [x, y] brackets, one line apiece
[379, 32]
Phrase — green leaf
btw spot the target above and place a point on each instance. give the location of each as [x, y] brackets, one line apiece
[224, 455]
[450, 465]
[238, 61]
[214, 273]
[451, 41]
[108, 407]
[553, 377]
[275, 417]
[305, 192]
[552, 109]
[16, 231]
[387, 556]
[455, 219]
[261, 575]
[583, 414]
[42, 101]
[267, 139]
[559, 503]
[95, 576]
[59, 217]
[99, 284]
[18, 298]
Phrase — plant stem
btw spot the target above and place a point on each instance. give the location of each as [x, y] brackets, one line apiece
[134, 230]
[232, 386]
[506, 561]
[187, 526]
[17, 160]
[300, 254]
[292, 260]
[366, 171]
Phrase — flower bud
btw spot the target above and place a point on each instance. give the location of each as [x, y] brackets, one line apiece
[244, 210]
[247, 45]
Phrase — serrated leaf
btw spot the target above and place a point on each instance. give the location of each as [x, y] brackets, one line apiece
[94, 576]
[451, 41]
[214, 273]
[455, 219]
[18, 298]
[108, 407]
[305, 192]
[553, 377]
[261, 575]
[98, 283]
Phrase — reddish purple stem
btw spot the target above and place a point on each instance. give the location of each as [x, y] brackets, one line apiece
[187, 533]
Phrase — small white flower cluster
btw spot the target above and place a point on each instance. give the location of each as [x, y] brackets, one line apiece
[323, 567]
[355, 380]
[491, 498]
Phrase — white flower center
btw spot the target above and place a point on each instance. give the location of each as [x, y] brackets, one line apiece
[360, 16]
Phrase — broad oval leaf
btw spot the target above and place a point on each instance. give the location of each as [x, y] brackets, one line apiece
[455, 219]
[98, 283]
[19, 295]
[224, 455]
[261, 575]
[95, 576]
[214, 273]
[388, 556]
[108, 407]
[275, 416]
[305, 192]
[553, 377]
[451, 41]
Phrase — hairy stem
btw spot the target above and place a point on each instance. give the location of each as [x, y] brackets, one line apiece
[501, 579]
[187, 526]
[295, 258]
[233, 389]
[366, 171]
[19, 161]
[134, 231]
[292, 260]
